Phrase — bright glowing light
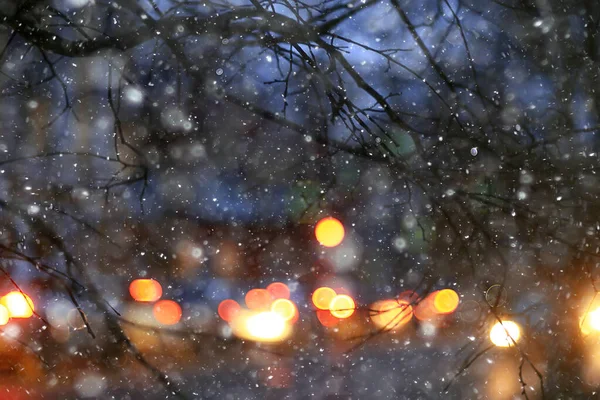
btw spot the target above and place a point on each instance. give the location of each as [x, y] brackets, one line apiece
[594, 318]
[18, 304]
[265, 326]
[279, 290]
[322, 297]
[590, 322]
[445, 301]
[342, 306]
[284, 308]
[167, 312]
[258, 299]
[4, 315]
[228, 309]
[505, 334]
[145, 290]
[329, 232]
[391, 314]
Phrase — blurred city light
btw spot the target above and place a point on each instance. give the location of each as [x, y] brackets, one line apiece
[329, 232]
[228, 309]
[505, 333]
[265, 326]
[18, 304]
[4, 315]
[445, 301]
[322, 297]
[342, 306]
[326, 319]
[284, 308]
[167, 312]
[258, 299]
[145, 290]
[391, 314]
[279, 290]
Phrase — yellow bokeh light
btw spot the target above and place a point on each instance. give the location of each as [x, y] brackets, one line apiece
[342, 306]
[391, 314]
[446, 301]
[329, 232]
[4, 315]
[18, 304]
[590, 322]
[322, 297]
[505, 334]
[265, 326]
[284, 308]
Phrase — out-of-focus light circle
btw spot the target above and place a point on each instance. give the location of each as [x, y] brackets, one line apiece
[266, 326]
[594, 318]
[145, 290]
[228, 309]
[279, 290]
[446, 301]
[503, 334]
[18, 304]
[342, 306]
[258, 299]
[390, 314]
[329, 232]
[4, 315]
[326, 319]
[322, 297]
[425, 309]
[284, 308]
[167, 312]
[590, 322]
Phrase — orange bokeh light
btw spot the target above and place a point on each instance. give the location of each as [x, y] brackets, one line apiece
[342, 306]
[425, 310]
[445, 301]
[285, 308]
[258, 299]
[228, 309]
[279, 290]
[4, 315]
[329, 232]
[167, 312]
[322, 297]
[391, 314]
[18, 304]
[145, 290]
[326, 319]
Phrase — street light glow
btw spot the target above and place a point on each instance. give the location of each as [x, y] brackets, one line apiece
[505, 333]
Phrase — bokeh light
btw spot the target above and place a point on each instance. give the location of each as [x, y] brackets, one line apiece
[425, 310]
[329, 232]
[18, 304]
[167, 312]
[228, 309]
[279, 290]
[445, 301]
[391, 314]
[145, 290]
[326, 319]
[322, 297]
[4, 315]
[264, 326]
[284, 308]
[342, 306]
[258, 299]
[505, 334]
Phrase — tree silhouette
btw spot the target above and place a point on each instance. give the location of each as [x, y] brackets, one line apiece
[198, 143]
